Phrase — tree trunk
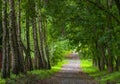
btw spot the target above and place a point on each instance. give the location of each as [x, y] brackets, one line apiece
[21, 58]
[46, 47]
[118, 58]
[41, 38]
[5, 43]
[117, 63]
[102, 62]
[38, 59]
[28, 58]
[13, 39]
[48, 58]
[38, 63]
[110, 60]
[109, 28]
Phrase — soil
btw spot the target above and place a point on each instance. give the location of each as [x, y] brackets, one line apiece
[71, 73]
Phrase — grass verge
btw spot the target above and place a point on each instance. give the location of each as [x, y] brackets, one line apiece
[33, 76]
[101, 76]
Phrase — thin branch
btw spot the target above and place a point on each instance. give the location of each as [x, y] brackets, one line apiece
[118, 4]
[105, 10]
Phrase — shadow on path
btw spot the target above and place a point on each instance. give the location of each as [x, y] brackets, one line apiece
[71, 73]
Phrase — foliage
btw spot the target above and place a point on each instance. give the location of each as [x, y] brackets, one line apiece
[2, 81]
[92, 26]
[101, 76]
[58, 51]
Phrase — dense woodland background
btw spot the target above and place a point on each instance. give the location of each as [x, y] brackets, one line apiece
[35, 33]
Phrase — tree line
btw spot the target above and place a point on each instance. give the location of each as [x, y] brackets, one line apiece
[17, 39]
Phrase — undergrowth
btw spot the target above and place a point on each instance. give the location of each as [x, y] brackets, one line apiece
[32, 77]
[102, 77]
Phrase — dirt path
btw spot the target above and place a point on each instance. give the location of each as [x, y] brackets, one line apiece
[70, 74]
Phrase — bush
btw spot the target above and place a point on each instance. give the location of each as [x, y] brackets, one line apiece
[57, 51]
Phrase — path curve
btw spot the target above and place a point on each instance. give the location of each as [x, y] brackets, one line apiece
[71, 73]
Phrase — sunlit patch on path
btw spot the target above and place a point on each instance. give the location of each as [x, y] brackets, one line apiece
[71, 73]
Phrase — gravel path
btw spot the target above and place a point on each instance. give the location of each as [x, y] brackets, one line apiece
[71, 73]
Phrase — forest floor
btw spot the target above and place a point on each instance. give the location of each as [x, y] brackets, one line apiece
[70, 73]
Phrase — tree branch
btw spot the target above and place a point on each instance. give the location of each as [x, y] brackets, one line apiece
[118, 4]
[105, 10]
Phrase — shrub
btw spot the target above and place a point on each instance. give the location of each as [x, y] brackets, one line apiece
[57, 51]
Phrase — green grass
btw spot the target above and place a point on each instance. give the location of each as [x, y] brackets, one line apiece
[103, 76]
[2, 81]
[33, 76]
[66, 53]
[47, 73]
